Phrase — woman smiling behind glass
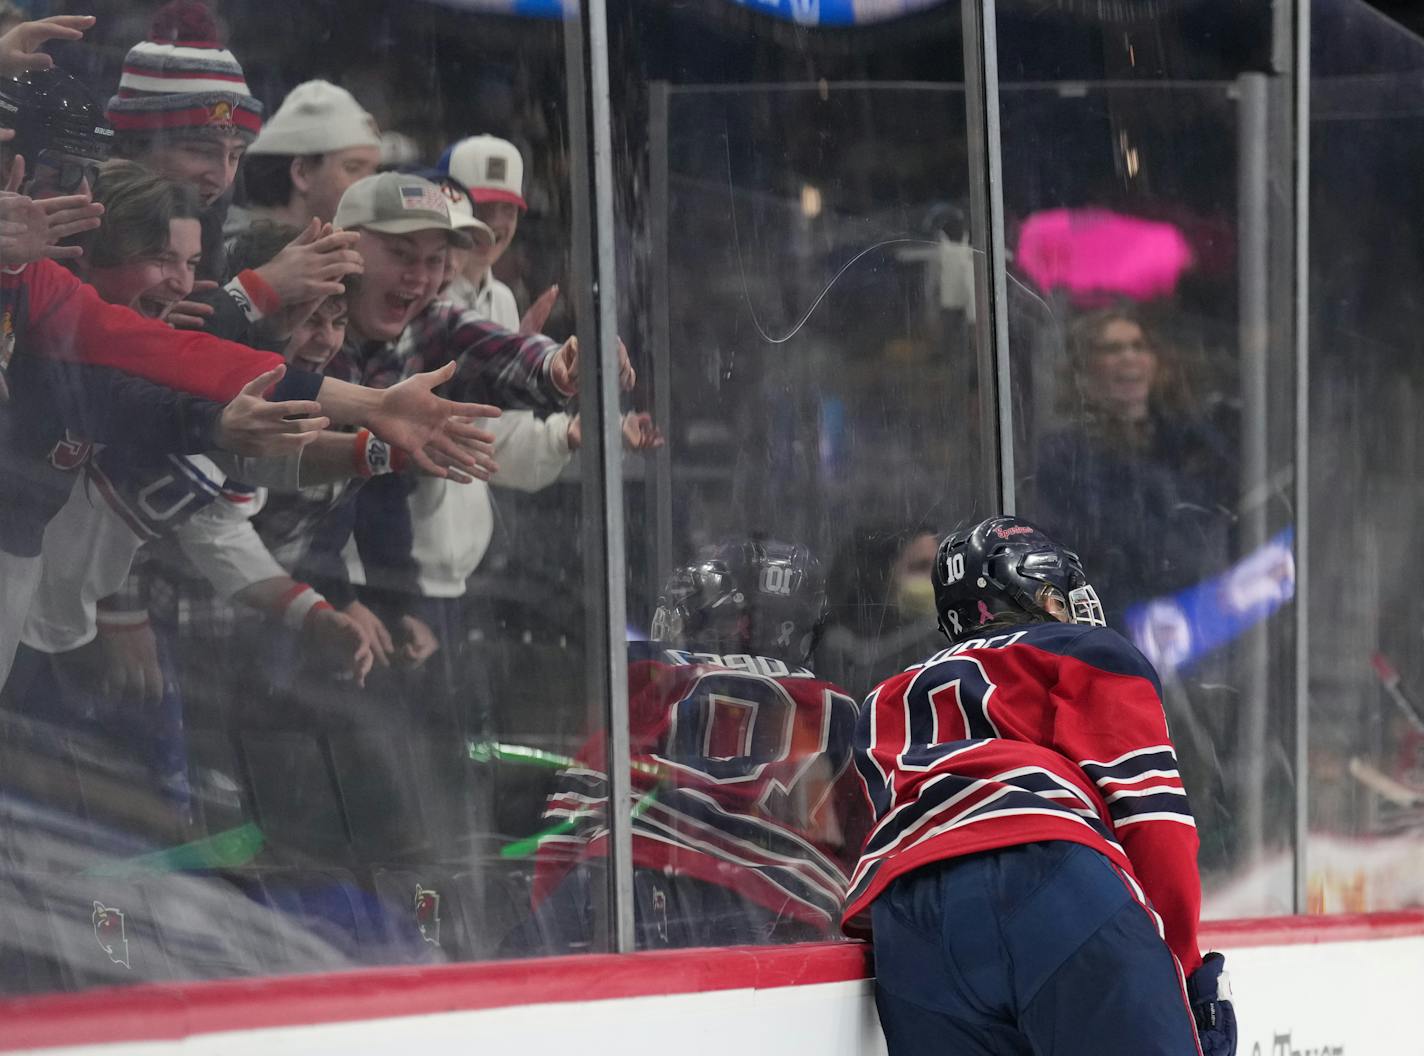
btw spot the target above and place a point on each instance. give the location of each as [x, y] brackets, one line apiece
[1136, 476]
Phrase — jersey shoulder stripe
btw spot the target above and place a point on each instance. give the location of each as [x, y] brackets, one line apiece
[1099, 647]
[954, 797]
[1142, 785]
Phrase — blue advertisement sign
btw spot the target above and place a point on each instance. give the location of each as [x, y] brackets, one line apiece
[801, 12]
[834, 12]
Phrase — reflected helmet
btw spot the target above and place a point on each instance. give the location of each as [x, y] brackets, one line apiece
[53, 112]
[752, 596]
[1007, 566]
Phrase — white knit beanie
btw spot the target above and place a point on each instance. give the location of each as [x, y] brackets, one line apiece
[317, 117]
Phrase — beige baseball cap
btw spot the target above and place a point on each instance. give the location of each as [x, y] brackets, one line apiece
[492, 169]
[462, 214]
[396, 203]
[317, 117]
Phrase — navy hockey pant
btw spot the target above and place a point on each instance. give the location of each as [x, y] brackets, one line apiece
[1037, 949]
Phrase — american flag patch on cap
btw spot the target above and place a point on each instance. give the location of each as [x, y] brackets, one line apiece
[422, 196]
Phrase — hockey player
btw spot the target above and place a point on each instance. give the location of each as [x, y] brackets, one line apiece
[743, 806]
[1031, 876]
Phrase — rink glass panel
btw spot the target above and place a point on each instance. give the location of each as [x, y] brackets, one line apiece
[242, 829]
[1366, 767]
[1143, 176]
[793, 282]
[792, 203]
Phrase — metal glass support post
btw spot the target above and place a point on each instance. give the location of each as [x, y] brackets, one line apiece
[1253, 276]
[600, 460]
[660, 490]
[1300, 85]
[986, 216]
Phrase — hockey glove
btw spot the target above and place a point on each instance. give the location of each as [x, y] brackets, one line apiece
[1209, 991]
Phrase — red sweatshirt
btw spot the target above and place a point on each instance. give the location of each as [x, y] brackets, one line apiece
[62, 318]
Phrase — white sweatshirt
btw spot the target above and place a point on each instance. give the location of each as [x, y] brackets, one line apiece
[452, 523]
[89, 547]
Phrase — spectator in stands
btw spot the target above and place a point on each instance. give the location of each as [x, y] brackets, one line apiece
[57, 377]
[199, 135]
[318, 143]
[451, 529]
[1138, 477]
[1135, 478]
[491, 170]
[881, 617]
[183, 109]
[484, 184]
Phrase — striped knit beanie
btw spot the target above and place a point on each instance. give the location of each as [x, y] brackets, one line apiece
[182, 81]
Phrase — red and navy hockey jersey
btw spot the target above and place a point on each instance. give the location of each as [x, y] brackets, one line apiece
[1048, 732]
[741, 778]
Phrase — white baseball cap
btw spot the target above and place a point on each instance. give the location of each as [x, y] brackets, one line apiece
[462, 214]
[316, 117]
[492, 169]
[396, 203]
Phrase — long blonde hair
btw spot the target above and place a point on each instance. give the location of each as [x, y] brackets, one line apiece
[1170, 391]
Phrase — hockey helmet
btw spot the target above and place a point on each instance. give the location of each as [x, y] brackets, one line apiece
[59, 127]
[1005, 565]
[754, 596]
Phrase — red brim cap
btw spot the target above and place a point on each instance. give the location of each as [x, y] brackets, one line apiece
[493, 194]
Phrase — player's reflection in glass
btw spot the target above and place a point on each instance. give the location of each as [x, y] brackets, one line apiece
[744, 810]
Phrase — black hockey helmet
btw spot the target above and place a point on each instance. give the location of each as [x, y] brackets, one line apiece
[754, 596]
[59, 126]
[1005, 565]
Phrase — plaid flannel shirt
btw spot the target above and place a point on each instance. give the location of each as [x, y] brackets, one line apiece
[164, 583]
[495, 366]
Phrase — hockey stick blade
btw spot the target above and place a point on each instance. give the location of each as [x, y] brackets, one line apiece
[1389, 678]
[1387, 787]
